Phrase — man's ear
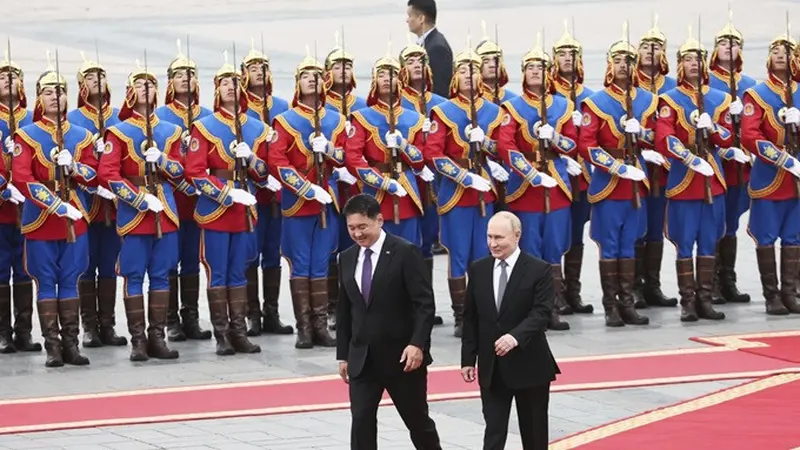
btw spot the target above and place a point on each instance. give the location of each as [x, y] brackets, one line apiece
[379, 219]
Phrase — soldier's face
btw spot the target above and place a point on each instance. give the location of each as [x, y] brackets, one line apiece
[564, 58]
[227, 89]
[645, 55]
[777, 58]
[4, 86]
[336, 68]
[256, 72]
[308, 83]
[620, 67]
[383, 79]
[691, 66]
[464, 79]
[534, 74]
[363, 230]
[180, 82]
[414, 66]
[50, 100]
[724, 50]
[142, 87]
[92, 79]
[488, 68]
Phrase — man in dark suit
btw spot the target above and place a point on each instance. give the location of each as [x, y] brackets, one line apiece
[509, 301]
[384, 317]
[421, 21]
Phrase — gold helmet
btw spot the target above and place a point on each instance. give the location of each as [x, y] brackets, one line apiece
[180, 62]
[227, 69]
[308, 64]
[8, 65]
[88, 66]
[784, 40]
[621, 47]
[254, 56]
[337, 54]
[411, 49]
[569, 43]
[728, 32]
[140, 72]
[692, 46]
[387, 62]
[488, 48]
[537, 54]
[656, 36]
[50, 78]
[414, 49]
[468, 56]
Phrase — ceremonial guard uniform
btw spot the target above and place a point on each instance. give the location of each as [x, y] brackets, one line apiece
[98, 285]
[11, 239]
[695, 186]
[135, 168]
[183, 90]
[493, 71]
[652, 70]
[535, 149]
[263, 106]
[55, 217]
[769, 130]
[729, 42]
[614, 121]
[458, 151]
[309, 140]
[567, 76]
[227, 148]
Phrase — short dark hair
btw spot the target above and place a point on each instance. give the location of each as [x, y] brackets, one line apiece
[363, 204]
[425, 7]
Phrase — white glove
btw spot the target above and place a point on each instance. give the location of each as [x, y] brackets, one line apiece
[573, 168]
[394, 140]
[73, 212]
[347, 127]
[633, 126]
[242, 197]
[345, 176]
[321, 195]
[152, 154]
[632, 173]
[64, 158]
[273, 184]
[752, 158]
[702, 167]
[153, 203]
[736, 107]
[546, 180]
[186, 138]
[242, 150]
[704, 121]
[426, 126]
[475, 134]
[577, 118]
[400, 191]
[653, 157]
[739, 156]
[319, 144]
[426, 174]
[270, 134]
[546, 132]
[99, 146]
[792, 116]
[9, 145]
[105, 193]
[498, 172]
[16, 196]
[479, 183]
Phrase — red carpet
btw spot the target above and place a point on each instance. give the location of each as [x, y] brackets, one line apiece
[762, 414]
[780, 345]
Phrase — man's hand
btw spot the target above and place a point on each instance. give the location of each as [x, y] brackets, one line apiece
[412, 356]
[343, 372]
[505, 344]
[468, 374]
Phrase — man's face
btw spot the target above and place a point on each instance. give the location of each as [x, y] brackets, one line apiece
[383, 79]
[502, 239]
[415, 21]
[464, 81]
[4, 87]
[534, 74]
[227, 89]
[564, 58]
[336, 68]
[142, 85]
[49, 100]
[363, 230]
[308, 83]
[489, 68]
[691, 66]
[180, 82]
[727, 52]
[620, 67]
[415, 67]
[777, 57]
[255, 73]
[92, 79]
[645, 53]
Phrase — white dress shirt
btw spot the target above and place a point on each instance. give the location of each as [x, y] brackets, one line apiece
[511, 260]
[376, 253]
[421, 39]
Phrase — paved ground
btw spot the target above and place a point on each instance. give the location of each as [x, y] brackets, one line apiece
[123, 31]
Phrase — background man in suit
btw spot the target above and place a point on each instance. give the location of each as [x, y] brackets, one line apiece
[509, 301]
[384, 320]
[421, 21]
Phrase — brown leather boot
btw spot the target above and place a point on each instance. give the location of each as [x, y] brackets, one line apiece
[559, 303]
[727, 274]
[627, 311]
[703, 292]
[174, 329]
[716, 292]
[23, 320]
[609, 282]
[87, 291]
[253, 302]
[48, 320]
[653, 295]
[68, 313]
[106, 302]
[333, 293]
[767, 268]
[272, 290]
[319, 313]
[790, 261]
[157, 304]
[237, 328]
[6, 341]
[301, 301]
[134, 313]
[573, 261]
[639, 276]
[190, 313]
[686, 289]
[458, 296]
[218, 308]
[437, 319]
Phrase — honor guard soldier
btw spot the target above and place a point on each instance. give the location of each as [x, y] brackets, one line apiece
[567, 76]
[617, 138]
[98, 285]
[651, 71]
[136, 169]
[263, 106]
[384, 150]
[51, 157]
[770, 121]
[726, 75]
[182, 91]
[693, 130]
[458, 146]
[493, 70]
[309, 143]
[536, 134]
[222, 165]
[12, 98]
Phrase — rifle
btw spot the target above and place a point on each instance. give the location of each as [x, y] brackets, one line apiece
[701, 138]
[63, 187]
[501, 189]
[396, 165]
[151, 180]
[791, 129]
[240, 170]
[345, 111]
[655, 183]
[475, 148]
[190, 100]
[319, 159]
[265, 116]
[631, 144]
[12, 119]
[573, 95]
[423, 107]
[544, 145]
[101, 126]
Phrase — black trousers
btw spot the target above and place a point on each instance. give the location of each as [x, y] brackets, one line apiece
[532, 412]
[409, 392]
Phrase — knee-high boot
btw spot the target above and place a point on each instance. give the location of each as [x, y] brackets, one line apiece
[727, 275]
[174, 329]
[190, 310]
[134, 312]
[686, 289]
[87, 291]
[609, 282]
[573, 262]
[272, 292]
[705, 287]
[627, 311]
[237, 329]
[68, 313]
[23, 318]
[301, 301]
[253, 302]
[458, 296]
[653, 295]
[157, 305]
[790, 261]
[437, 319]
[48, 320]
[218, 308]
[106, 302]
[6, 333]
[319, 313]
[333, 293]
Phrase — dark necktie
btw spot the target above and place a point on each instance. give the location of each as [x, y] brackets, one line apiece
[366, 275]
[501, 288]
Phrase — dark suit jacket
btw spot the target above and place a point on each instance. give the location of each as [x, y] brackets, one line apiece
[524, 313]
[400, 311]
[441, 61]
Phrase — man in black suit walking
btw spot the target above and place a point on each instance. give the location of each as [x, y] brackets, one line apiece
[509, 300]
[384, 321]
[421, 21]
